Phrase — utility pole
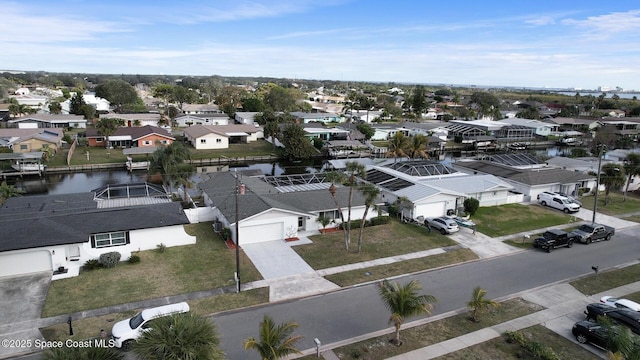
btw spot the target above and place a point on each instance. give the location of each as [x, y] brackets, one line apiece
[237, 236]
[601, 148]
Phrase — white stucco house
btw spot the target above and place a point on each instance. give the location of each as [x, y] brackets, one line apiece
[59, 233]
[540, 128]
[202, 119]
[273, 208]
[98, 103]
[204, 137]
[34, 121]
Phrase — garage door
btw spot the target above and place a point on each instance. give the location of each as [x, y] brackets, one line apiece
[431, 210]
[25, 263]
[261, 233]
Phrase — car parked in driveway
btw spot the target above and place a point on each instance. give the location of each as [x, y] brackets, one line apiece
[557, 202]
[570, 198]
[591, 332]
[625, 317]
[615, 302]
[443, 224]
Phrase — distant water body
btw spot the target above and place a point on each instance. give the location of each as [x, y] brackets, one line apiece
[609, 94]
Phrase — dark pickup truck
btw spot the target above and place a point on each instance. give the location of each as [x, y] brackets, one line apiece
[589, 233]
[552, 239]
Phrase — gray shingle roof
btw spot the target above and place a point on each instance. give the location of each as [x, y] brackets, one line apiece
[527, 176]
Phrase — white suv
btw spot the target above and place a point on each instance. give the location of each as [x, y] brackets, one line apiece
[127, 331]
[557, 202]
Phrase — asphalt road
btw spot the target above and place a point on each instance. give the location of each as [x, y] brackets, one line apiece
[357, 311]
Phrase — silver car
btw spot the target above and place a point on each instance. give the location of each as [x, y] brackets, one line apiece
[443, 224]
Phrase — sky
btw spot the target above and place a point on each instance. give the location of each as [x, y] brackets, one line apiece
[555, 44]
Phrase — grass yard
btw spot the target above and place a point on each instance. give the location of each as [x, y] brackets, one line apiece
[206, 265]
[515, 218]
[378, 242]
[499, 348]
[606, 280]
[255, 148]
[359, 276]
[635, 218]
[90, 327]
[615, 205]
[434, 332]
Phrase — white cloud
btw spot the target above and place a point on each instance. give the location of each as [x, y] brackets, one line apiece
[608, 25]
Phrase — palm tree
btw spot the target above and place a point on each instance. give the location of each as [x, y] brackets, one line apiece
[371, 193]
[417, 146]
[276, 341]
[336, 177]
[180, 336]
[403, 301]
[324, 221]
[397, 145]
[479, 303]
[83, 353]
[354, 170]
[612, 177]
[107, 127]
[8, 191]
[169, 161]
[631, 168]
[272, 130]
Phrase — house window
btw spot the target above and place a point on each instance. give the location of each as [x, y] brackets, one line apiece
[300, 222]
[147, 142]
[23, 147]
[165, 142]
[332, 215]
[203, 141]
[218, 140]
[109, 239]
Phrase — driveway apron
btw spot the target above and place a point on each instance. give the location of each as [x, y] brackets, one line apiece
[276, 259]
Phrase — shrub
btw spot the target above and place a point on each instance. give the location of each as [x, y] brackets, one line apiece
[380, 220]
[134, 259]
[110, 259]
[582, 191]
[471, 205]
[355, 224]
[161, 248]
[92, 264]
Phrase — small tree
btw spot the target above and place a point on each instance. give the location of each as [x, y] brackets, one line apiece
[471, 205]
[276, 341]
[612, 177]
[324, 221]
[479, 303]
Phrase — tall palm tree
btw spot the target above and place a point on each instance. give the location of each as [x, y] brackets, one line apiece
[276, 341]
[107, 127]
[184, 336]
[354, 170]
[371, 193]
[612, 177]
[336, 177]
[272, 130]
[397, 146]
[403, 301]
[631, 168]
[418, 146]
[479, 303]
[169, 161]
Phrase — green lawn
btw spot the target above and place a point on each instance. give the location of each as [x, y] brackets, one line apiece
[434, 332]
[606, 280]
[256, 148]
[615, 205]
[515, 218]
[379, 241]
[207, 264]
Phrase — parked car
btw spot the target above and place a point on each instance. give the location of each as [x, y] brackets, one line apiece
[127, 331]
[588, 233]
[570, 198]
[591, 332]
[554, 238]
[625, 317]
[443, 224]
[557, 202]
[615, 302]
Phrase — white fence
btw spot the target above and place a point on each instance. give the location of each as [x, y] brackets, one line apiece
[199, 214]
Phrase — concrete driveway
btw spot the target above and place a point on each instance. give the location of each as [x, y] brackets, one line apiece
[21, 302]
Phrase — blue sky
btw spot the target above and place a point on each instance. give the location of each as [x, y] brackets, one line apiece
[581, 44]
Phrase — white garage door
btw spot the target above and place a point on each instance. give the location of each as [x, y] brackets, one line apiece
[25, 263]
[261, 233]
[431, 210]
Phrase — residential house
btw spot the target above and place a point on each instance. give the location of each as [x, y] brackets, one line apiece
[101, 105]
[305, 118]
[531, 181]
[200, 109]
[31, 100]
[59, 233]
[33, 121]
[138, 119]
[202, 119]
[315, 130]
[540, 128]
[204, 137]
[244, 117]
[127, 137]
[387, 132]
[277, 208]
[30, 140]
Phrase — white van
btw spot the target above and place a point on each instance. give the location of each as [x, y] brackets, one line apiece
[127, 331]
[557, 202]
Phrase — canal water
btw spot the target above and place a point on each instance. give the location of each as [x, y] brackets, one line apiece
[69, 183]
